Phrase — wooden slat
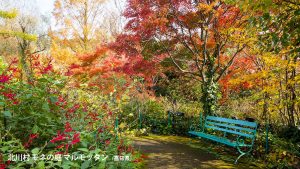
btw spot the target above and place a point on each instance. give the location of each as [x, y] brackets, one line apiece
[229, 131]
[230, 126]
[214, 138]
[218, 139]
[239, 122]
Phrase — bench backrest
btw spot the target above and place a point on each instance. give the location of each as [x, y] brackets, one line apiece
[236, 127]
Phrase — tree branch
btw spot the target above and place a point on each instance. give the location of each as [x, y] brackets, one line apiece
[230, 62]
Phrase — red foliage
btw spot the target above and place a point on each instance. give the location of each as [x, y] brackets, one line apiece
[47, 69]
[107, 142]
[30, 140]
[90, 57]
[126, 44]
[61, 102]
[60, 146]
[113, 63]
[10, 71]
[59, 137]
[138, 160]
[228, 16]
[39, 67]
[68, 127]
[11, 97]
[242, 65]
[67, 139]
[76, 138]
[70, 113]
[93, 116]
[4, 78]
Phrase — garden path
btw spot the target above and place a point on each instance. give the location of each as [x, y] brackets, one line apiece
[174, 152]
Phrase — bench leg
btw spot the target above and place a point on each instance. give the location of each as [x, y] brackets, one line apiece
[239, 157]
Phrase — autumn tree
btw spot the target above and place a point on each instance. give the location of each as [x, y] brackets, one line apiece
[6, 33]
[201, 38]
[31, 34]
[78, 23]
[276, 59]
[109, 71]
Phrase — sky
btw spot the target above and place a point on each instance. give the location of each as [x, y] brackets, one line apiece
[45, 6]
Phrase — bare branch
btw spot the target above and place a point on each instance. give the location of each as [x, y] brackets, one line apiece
[230, 62]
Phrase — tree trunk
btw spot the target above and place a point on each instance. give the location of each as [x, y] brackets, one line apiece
[265, 106]
[25, 66]
[292, 102]
[24, 47]
[210, 91]
[86, 26]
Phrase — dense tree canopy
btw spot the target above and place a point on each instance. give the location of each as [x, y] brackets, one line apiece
[200, 38]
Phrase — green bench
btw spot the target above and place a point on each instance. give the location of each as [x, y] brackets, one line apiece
[235, 133]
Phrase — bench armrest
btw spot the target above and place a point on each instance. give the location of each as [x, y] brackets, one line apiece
[241, 143]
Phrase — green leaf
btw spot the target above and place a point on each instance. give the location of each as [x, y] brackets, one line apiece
[46, 107]
[35, 151]
[28, 96]
[4, 149]
[83, 149]
[53, 99]
[43, 80]
[41, 165]
[35, 129]
[101, 165]
[84, 144]
[7, 114]
[66, 164]
[85, 164]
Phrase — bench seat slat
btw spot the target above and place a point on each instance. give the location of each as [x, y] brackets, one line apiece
[240, 122]
[229, 131]
[217, 139]
[230, 126]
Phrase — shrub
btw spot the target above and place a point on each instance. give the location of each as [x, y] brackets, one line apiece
[41, 120]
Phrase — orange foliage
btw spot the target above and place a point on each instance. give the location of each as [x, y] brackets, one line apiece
[90, 57]
[210, 44]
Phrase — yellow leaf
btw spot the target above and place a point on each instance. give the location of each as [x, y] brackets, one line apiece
[122, 125]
